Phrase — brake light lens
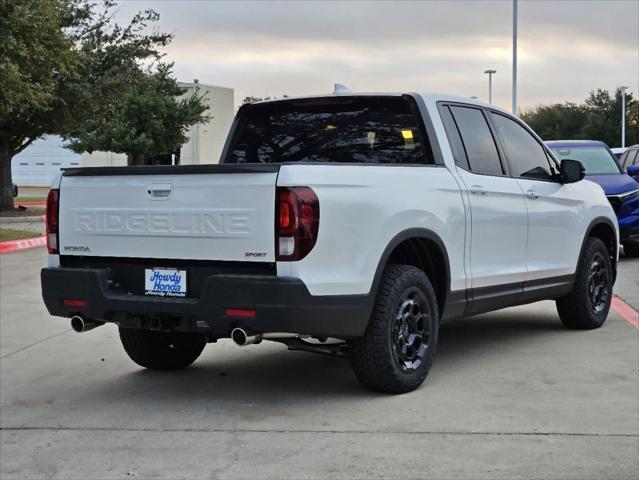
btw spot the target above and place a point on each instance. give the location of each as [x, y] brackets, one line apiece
[297, 222]
[53, 207]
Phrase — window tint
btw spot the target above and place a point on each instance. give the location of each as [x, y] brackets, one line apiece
[525, 155]
[343, 130]
[453, 138]
[479, 144]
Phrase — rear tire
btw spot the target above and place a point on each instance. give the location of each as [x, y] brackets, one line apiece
[631, 249]
[161, 350]
[587, 305]
[397, 349]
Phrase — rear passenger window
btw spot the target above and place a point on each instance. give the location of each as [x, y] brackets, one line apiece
[525, 154]
[478, 141]
[454, 139]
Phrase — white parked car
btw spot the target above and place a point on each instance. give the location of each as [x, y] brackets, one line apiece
[349, 224]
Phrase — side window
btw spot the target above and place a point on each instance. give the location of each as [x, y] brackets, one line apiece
[525, 155]
[632, 160]
[478, 141]
[454, 139]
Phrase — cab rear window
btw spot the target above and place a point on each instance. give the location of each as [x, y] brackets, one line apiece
[379, 130]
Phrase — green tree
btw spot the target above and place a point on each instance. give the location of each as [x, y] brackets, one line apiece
[556, 121]
[67, 68]
[38, 65]
[598, 118]
[148, 119]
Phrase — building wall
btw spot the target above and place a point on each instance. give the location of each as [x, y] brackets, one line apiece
[40, 162]
[207, 140]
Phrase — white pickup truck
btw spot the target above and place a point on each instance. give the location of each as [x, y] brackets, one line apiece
[348, 224]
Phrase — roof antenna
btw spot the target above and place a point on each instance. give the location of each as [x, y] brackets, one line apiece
[341, 89]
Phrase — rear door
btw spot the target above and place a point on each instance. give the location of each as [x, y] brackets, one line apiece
[207, 212]
[498, 237]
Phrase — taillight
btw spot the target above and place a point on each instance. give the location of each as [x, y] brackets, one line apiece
[53, 204]
[297, 222]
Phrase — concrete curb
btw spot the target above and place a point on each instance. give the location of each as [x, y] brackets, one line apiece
[27, 219]
[11, 246]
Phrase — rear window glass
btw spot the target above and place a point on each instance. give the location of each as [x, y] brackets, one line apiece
[330, 130]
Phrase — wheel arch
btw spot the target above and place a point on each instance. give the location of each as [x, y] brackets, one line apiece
[604, 229]
[424, 249]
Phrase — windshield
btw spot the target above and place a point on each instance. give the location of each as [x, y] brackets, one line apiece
[320, 130]
[596, 160]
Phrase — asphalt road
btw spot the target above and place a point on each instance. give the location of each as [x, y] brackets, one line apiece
[511, 395]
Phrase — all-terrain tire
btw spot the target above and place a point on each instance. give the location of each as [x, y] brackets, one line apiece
[374, 356]
[631, 249]
[161, 350]
[578, 309]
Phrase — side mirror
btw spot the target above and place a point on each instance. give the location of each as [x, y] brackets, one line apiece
[633, 170]
[571, 171]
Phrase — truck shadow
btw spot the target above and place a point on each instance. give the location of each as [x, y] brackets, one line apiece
[266, 373]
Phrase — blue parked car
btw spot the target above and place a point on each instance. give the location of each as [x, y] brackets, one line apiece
[621, 189]
[629, 161]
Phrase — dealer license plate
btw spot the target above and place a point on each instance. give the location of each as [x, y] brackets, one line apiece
[165, 282]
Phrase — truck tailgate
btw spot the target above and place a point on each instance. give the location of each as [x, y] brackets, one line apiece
[219, 214]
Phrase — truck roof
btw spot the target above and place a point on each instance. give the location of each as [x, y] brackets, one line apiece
[427, 96]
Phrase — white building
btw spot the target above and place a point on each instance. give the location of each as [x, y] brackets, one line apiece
[39, 163]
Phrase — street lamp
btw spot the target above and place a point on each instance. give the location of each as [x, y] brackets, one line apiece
[623, 116]
[514, 57]
[490, 85]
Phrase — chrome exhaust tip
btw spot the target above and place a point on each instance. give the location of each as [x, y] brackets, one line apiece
[80, 324]
[241, 338]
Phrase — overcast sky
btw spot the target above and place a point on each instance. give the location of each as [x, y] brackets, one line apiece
[566, 47]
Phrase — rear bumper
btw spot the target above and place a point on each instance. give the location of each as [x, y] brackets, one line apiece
[281, 305]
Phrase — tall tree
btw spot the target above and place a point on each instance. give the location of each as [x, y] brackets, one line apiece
[147, 120]
[38, 65]
[67, 68]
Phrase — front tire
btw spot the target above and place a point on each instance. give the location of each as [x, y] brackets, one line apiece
[397, 349]
[587, 305]
[161, 350]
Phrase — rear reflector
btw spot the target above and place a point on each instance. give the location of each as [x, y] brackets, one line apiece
[53, 208]
[73, 302]
[240, 312]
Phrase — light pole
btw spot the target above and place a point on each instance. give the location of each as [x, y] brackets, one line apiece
[623, 116]
[490, 85]
[514, 57]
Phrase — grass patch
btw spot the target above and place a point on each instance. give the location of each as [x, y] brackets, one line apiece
[13, 234]
[19, 199]
[23, 212]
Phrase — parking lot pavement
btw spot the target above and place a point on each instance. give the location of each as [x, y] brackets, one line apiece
[511, 395]
[627, 287]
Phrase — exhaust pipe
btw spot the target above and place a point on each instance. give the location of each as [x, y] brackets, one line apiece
[80, 324]
[241, 338]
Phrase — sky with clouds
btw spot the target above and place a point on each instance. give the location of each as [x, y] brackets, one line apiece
[270, 48]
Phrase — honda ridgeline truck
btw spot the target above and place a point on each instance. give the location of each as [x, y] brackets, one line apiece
[349, 224]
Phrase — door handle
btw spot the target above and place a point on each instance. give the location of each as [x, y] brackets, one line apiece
[532, 194]
[477, 190]
[159, 191]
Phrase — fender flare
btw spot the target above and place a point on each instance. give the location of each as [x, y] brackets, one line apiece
[599, 221]
[420, 233]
